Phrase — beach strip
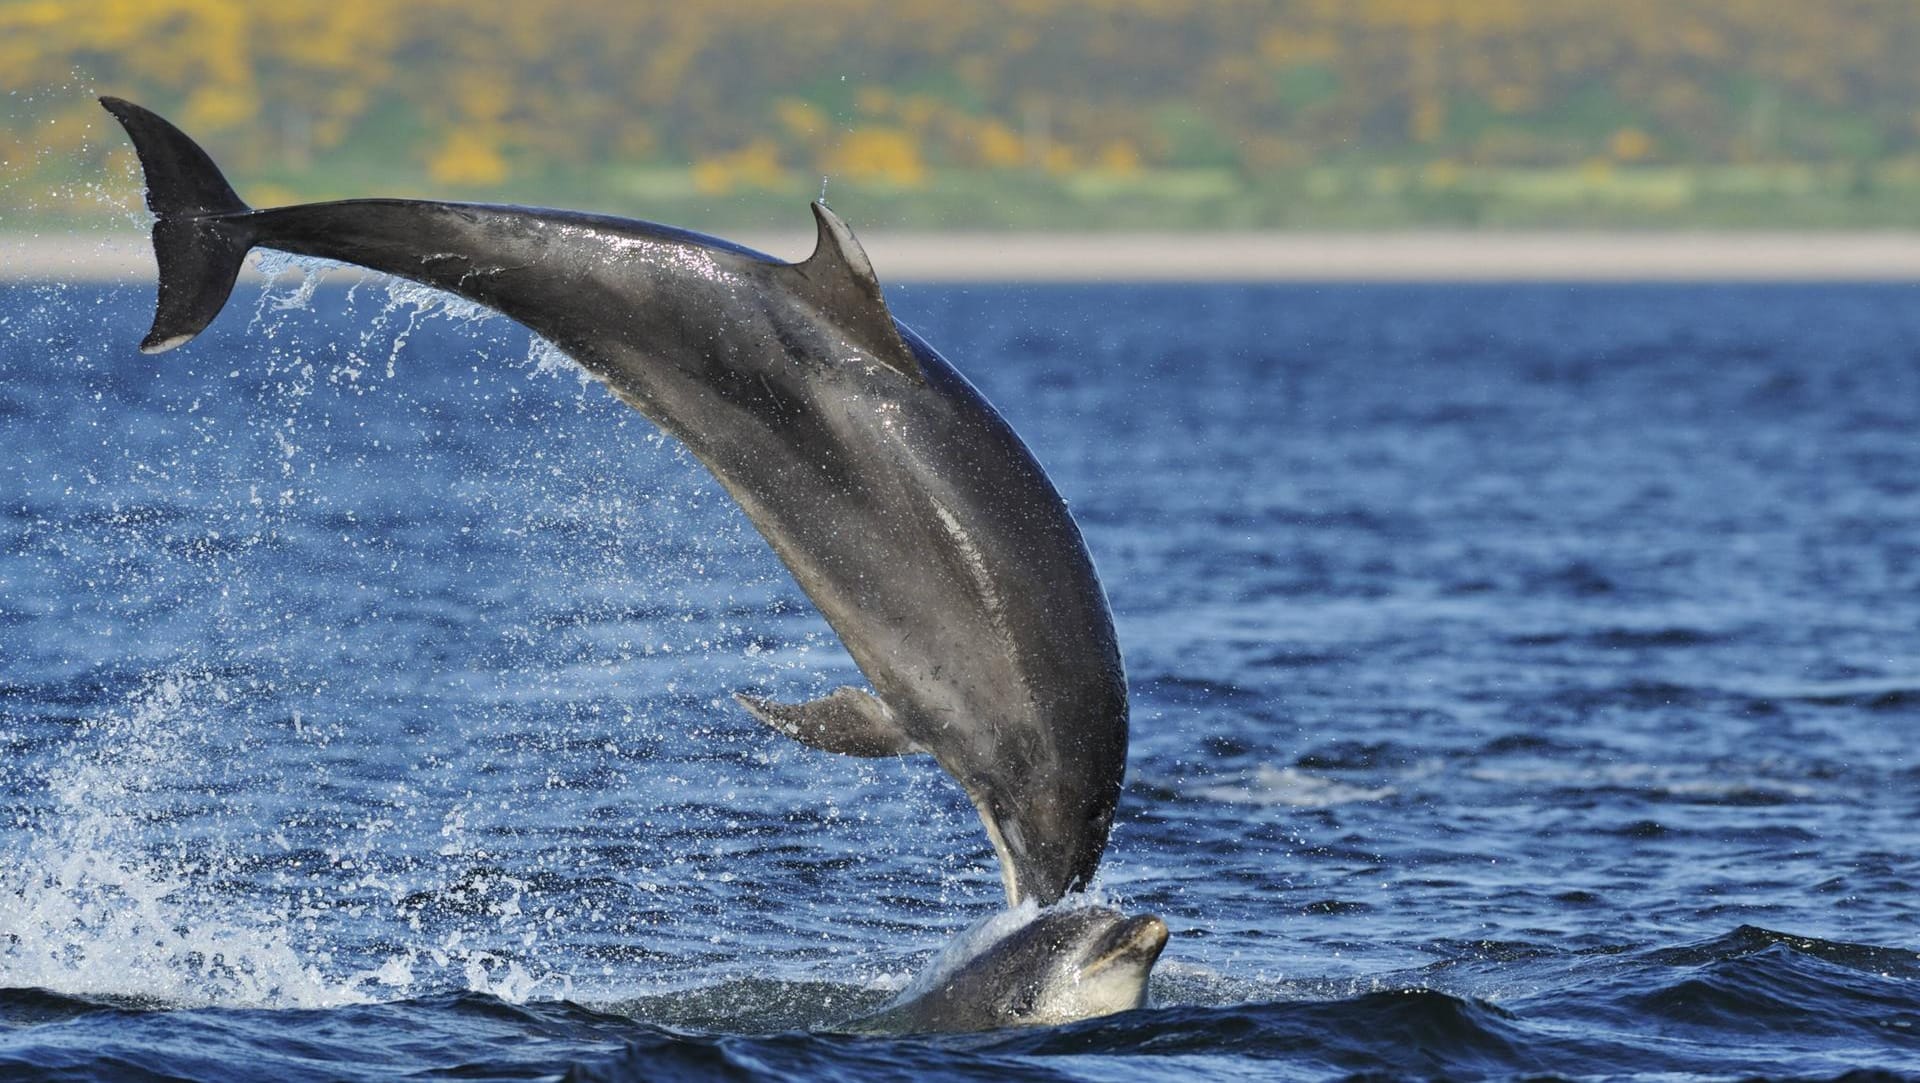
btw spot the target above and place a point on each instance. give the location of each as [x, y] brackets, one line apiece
[1222, 257]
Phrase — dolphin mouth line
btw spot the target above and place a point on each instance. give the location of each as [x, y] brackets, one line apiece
[1142, 938]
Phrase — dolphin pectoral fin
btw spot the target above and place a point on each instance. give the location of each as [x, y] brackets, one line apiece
[838, 279]
[847, 721]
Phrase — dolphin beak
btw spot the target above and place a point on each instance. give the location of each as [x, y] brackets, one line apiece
[1137, 940]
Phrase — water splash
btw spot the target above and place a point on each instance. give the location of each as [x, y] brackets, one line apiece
[89, 907]
[546, 359]
[306, 273]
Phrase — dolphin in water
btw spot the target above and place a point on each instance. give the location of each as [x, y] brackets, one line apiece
[903, 504]
[1068, 963]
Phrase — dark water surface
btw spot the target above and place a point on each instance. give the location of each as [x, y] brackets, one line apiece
[1527, 684]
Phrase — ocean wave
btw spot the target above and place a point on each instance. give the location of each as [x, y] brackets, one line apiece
[1652, 780]
[1753, 1003]
[1269, 785]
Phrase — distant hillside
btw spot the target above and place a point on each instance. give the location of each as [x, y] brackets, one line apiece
[1004, 113]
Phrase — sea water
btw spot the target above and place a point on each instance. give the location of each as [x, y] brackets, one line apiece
[1526, 683]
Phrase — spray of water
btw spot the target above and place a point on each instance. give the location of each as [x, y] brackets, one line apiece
[94, 904]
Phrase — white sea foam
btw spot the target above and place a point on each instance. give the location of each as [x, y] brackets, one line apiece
[1269, 785]
[1645, 777]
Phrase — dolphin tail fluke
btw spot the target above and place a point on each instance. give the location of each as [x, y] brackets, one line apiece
[201, 234]
[847, 721]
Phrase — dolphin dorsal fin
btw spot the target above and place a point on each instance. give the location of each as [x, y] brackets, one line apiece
[838, 279]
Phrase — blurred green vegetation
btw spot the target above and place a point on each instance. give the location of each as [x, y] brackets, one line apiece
[999, 114]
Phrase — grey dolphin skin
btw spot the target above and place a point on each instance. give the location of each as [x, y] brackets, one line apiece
[904, 505]
[1065, 965]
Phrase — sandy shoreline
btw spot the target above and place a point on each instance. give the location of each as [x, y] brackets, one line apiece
[1226, 257]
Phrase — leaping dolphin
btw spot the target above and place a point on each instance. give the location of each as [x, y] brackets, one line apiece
[904, 505]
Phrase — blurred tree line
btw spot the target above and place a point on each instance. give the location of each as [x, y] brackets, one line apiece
[1454, 108]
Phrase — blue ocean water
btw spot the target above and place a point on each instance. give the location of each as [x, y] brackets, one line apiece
[1526, 685]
